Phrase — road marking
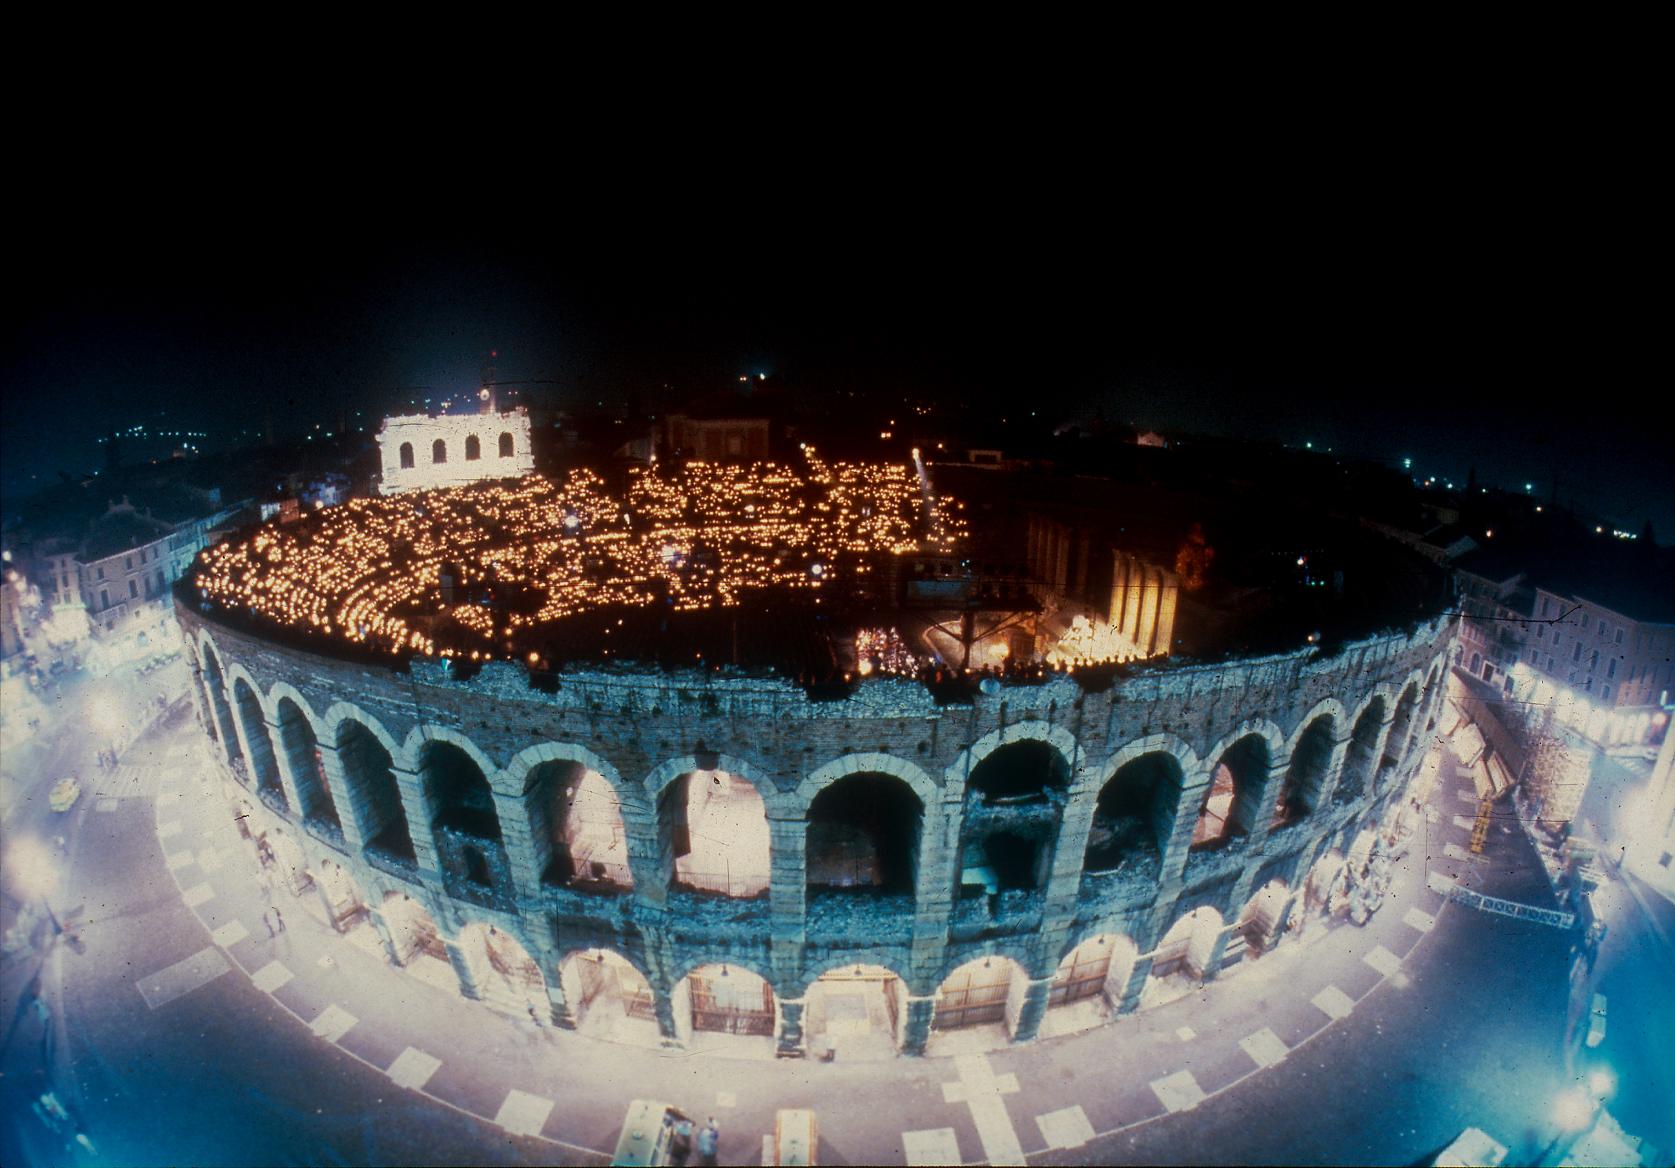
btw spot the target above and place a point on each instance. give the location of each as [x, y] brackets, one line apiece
[211, 860]
[931, 1148]
[1465, 821]
[165, 830]
[197, 894]
[413, 1068]
[1179, 1091]
[178, 860]
[182, 977]
[1468, 796]
[106, 805]
[726, 1099]
[333, 1023]
[980, 1089]
[1333, 1002]
[1423, 921]
[271, 976]
[1438, 882]
[523, 1114]
[1383, 960]
[1068, 1128]
[1186, 1034]
[1265, 1047]
[230, 933]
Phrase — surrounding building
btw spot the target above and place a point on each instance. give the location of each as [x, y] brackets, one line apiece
[419, 452]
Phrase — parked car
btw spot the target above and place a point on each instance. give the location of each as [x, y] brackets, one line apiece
[648, 1130]
[65, 792]
[796, 1136]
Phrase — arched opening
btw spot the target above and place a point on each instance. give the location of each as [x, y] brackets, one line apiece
[507, 447]
[283, 862]
[1428, 702]
[725, 1000]
[856, 1011]
[1263, 918]
[575, 827]
[221, 714]
[346, 909]
[1359, 761]
[308, 772]
[863, 835]
[1305, 778]
[406, 456]
[1014, 801]
[987, 992]
[473, 448]
[1183, 956]
[439, 451]
[262, 764]
[460, 804]
[713, 828]
[1325, 889]
[1401, 727]
[1089, 983]
[374, 795]
[1229, 808]
[506, 977]
[1134, 816]
[609, 998]
[416, 942]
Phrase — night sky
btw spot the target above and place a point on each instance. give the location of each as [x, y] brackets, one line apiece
[1457, 342]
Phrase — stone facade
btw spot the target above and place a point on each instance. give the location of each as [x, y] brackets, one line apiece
[419, 451]
[1333, 739]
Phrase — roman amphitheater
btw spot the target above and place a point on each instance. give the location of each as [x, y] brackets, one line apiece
[853, 854]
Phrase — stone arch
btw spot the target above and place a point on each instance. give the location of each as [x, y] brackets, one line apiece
[252, 722]
[1234, 798]
[439, 451]
[1310, 768]
[1360, 763]
[577, 832]
[426, 733]
[816, 968]
[1012, 816]
[340, 712]
[501, 969]
[508, 445]
[856, 1008]
[473, 448]
[1095, 969]
[1135, 808]
[1029, 730]
[464, 821]
[725, 997]
[712, 837]
[1188, 947]
[984, 990]
[513, 781]
[872, 762]
[364, 750]
[865, 831]
[406, 456]
[300, 747]
[1262, 917]
[220, 709]
[412, 927]
[1402, 725]
[609, 995]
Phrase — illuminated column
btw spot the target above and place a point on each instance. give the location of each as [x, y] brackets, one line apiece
[1119, 585]
[1131, 600]
[1147, 632]
[1169, 591]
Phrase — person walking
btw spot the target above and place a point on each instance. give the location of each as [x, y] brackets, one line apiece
[278, 919]
[267, 919]
[708, 1139]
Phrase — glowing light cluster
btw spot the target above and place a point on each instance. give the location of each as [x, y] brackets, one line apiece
[529, 551]
[883, 650]
[1091, 642]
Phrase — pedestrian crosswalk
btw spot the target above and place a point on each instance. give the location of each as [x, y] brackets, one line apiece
[127, 781]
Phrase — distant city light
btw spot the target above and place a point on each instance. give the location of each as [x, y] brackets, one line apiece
[1407, 464]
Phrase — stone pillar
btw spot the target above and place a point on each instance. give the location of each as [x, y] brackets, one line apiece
[788, 877]
[519, 842]
[933, 901]
[282, 763]
[558, 1007]
[469, 986]
[381, 926]
[790, 1039]
[1185, 822]
[1261, 814]
[1129, 1001]
[1032, 1009]
[337, 782]
[1335, 769]
[1064, 882]
[1212, 963]
[916, 1032]
[411, 786]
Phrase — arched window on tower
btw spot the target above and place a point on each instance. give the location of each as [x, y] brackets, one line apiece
[473, 448]
[439, 451]
[406, 456]
[506, 446]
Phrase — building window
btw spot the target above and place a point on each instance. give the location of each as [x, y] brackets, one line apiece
[439, 451]
[473, 448]
[1541, 632]
[1619, 637]
[1549, 663]
[1576, 653]
[128, 563]
[1588, 686]
[104, 598]
[1611, 668]
[406, 456]
[1546, 607]
[1476, 662]
[1593, 659]
[133, 589]
[1602, 628]
[1605, 692]
[101, 573]
[506, 445]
